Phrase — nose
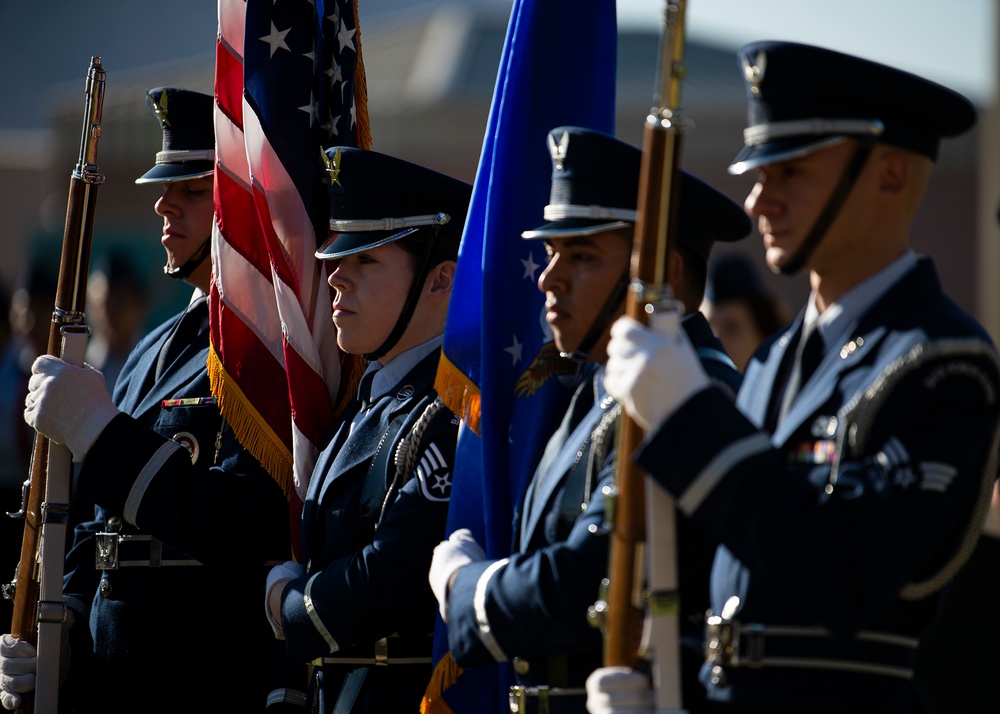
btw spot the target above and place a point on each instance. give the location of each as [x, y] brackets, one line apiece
[166, 205]
[551, 279]
[336, 279]
[760, 201]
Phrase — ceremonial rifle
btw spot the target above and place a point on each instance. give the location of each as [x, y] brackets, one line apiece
[38, 605]
[643, 515]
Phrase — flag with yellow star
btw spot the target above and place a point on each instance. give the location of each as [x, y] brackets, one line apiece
[499, 370]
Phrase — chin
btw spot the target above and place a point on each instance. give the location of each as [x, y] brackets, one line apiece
[347, 344]
[776, 258]
[558, 338]
[560, 345]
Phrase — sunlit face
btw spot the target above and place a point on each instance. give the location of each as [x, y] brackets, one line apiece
[370, 290]
[787, 200]
[733, 324]
[580, 275]
[187, 209]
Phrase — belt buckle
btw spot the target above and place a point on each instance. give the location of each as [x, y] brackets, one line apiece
[722, 640]
[517, 698]
[382, 652]
[730, 643]
[106, 551]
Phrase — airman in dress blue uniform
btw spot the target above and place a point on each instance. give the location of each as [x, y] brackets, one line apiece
[186, 520]
[361, 610]
[850, 481]
[532, 608]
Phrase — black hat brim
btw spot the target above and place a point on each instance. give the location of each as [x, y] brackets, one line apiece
[339, 245]
[777, 150]
[574, 227]
[167, 173]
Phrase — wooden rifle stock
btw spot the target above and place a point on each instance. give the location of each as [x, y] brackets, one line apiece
[68, 312]
[655, 232]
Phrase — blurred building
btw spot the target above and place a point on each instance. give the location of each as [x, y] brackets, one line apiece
[430, 70]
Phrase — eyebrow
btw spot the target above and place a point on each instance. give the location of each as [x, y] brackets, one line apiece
[574, 242]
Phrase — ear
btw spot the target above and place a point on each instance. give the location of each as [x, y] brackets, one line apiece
[893, 172]
[441, 278]
[675, 270]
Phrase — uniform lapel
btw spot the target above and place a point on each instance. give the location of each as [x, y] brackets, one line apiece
[912, 291]
[140, 379]
[819, 389]
[190, 366]
[550, 478]
[357, 448]
[762, 378]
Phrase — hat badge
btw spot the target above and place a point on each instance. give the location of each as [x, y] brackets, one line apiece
[332, 165]
[754, 71]
[559, 150]
[159, 107]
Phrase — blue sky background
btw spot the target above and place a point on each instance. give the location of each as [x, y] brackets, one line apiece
[949, 42]
[49, 43]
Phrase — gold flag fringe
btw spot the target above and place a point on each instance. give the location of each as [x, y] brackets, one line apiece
[250, 428]
[459, 393]
[361, 90]
[445, 674]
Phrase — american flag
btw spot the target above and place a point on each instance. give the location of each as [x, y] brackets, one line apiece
[289, 82]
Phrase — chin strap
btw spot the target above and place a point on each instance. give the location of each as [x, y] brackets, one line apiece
[193, 262]
[411, 302]
[601, 322]
[829, 212]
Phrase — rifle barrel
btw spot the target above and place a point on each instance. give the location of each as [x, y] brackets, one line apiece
[655, 232]
[68, 310]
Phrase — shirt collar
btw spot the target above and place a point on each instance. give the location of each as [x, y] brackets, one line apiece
[389, 375]
[842, 316]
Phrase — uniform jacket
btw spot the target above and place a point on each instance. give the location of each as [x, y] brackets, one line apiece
[365, 583]
[159, 634]
[536, 604]
[849, 515]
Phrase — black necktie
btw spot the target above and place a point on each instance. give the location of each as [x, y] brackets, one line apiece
[807, 358]
[365, 388]
[185, 331]
[812, 355]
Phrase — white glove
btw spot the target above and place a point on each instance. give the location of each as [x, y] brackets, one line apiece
[619, 690]
[449, 555]
[652, 370]
[68, 404]
[19, 662]
[277, 579]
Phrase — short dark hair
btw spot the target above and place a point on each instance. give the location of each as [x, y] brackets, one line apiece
[443, 245]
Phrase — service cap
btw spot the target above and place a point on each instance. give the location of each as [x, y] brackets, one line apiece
[187, 119]
[801, 98]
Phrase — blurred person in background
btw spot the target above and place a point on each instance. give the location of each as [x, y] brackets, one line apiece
[28, 313]
[4, 315]
[117, 307]
[740, 309]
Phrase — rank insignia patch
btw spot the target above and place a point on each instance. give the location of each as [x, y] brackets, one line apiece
[434, 473]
